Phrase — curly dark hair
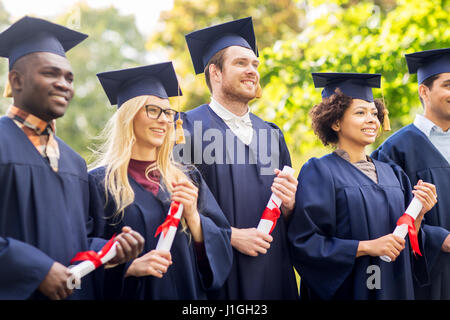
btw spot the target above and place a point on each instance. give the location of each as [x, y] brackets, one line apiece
[332, 109]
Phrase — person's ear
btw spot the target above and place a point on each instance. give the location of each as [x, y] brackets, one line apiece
[214, 73]
[336, 126]
[424, 92]
[15, 79]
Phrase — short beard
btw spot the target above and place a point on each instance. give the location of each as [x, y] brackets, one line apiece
[230, 93]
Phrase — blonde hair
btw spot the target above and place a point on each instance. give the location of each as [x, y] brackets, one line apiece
[115, 154]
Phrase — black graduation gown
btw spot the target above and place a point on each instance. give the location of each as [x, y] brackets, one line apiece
[336, 207]
[184, 279]
[44, 216]
[418, 157]
[242, 189]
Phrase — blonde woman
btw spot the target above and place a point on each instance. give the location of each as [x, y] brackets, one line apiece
[137, 179]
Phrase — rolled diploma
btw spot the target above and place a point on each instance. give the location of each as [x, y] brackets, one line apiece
[413, 210]
[265, 225]
[85, 267]
[165, 242]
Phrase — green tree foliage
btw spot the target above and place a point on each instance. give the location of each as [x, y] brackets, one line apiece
[272, 19]
[339, 37]
[113, 43]
[295, 38]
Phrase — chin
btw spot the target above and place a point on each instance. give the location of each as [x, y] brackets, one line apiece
[250, 94]
[247, 97]
[156, 143]
[58, 112]
[59, 115]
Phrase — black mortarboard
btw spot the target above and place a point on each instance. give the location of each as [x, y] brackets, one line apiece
[428, 63]
[355, 85]
[157, 80]
[29, 35]
[203, 44]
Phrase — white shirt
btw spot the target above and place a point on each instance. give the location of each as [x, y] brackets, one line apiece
[438, 137]
[240, 126]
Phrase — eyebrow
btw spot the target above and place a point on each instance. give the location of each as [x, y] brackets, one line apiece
[57, 69]
[246, 59]
[365, 107]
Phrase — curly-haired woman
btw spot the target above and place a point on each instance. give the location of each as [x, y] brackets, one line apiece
[347, 204]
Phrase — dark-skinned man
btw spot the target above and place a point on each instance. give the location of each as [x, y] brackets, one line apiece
[47, 214]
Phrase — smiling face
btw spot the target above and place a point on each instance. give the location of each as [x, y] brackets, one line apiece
[359, 125]
[239, 76]
[437, 100]
[150, 133]
[43, 85]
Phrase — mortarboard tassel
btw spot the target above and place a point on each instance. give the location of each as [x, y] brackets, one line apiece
[179, 133]
[7, 93]
[386, 122]
[258, 92]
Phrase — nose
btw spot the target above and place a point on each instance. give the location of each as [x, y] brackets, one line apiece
[63, 84]
[251, 69]
[373, 119]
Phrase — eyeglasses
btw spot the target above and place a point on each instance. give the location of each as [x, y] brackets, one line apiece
[154, 112]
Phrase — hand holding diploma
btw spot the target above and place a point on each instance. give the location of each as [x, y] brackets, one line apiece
[255, 241]
[91, 260]
[389, 247]
[129, 245]
[119, 249]
[168, 228]
[425, 198]
[250, 241]
[405, 225]
[54, 286]
[186, 193]
[283, 188]
[184, 202]
[154, 263]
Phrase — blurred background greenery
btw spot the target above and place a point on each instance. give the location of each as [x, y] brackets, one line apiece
[294, 38]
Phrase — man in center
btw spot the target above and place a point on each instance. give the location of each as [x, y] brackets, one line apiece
[239, 156]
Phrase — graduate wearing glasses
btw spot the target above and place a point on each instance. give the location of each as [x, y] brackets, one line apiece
[137, 180]
[347, 204]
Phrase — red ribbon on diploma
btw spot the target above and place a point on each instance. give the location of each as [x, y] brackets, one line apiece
[412, 232]
[93, 256]
[170, 220]
[272, 215]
